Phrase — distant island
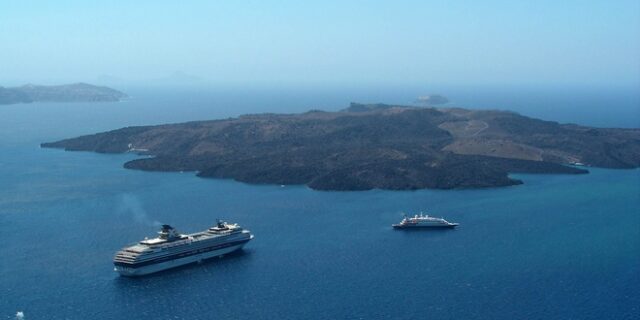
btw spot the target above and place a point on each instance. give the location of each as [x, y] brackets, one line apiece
[77, 92]
[369, 146]
[432, 100]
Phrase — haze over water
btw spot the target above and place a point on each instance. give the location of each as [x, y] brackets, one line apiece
[559, 246]
[318, 43]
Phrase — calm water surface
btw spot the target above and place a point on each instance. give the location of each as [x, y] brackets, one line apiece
[559, 246]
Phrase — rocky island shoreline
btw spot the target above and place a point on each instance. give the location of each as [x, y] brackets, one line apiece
[368, 146]
[77, 92]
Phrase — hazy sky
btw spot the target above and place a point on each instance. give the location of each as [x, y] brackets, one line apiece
[324, 42]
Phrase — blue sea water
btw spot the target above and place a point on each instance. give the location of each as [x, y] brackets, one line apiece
[557, 247]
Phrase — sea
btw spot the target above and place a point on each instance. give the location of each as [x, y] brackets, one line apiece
[556, 247]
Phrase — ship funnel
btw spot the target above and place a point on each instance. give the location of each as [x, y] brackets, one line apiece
[168, 233]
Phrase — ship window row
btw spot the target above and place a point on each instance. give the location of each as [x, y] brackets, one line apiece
[184, 250]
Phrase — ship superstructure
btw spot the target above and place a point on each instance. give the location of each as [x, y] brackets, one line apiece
[172, 249]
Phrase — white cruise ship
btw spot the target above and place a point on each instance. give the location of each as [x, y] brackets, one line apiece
[423, 221]
[172, 249]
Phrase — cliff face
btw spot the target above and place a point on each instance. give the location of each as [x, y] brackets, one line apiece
[370, 146]
[78, 92]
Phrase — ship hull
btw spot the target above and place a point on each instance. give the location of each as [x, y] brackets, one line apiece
[447, 226]
[157, 267]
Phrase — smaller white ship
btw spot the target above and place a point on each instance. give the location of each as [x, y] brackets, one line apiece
[424, 221]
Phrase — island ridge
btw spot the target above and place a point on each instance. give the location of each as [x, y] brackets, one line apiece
[77, 92]
[369, 146]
